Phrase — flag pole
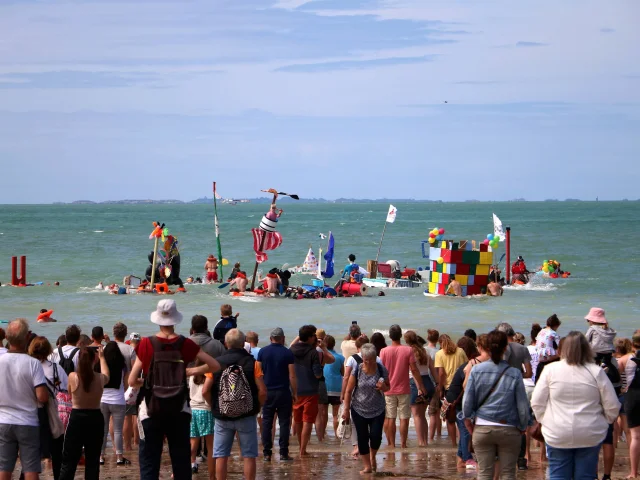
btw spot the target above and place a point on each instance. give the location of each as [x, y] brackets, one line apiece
[262, 240]
[381, 239]
[217, 228]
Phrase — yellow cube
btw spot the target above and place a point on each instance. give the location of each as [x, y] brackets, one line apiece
[486, 258]
[433, 287]
[462, 279]
[435, 277]
[482, 269]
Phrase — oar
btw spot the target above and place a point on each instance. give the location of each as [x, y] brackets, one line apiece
[501, 258]
[223, 285]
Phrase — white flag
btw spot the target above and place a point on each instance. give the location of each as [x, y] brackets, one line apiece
[391, 216]
[322, 236]
[497, 228]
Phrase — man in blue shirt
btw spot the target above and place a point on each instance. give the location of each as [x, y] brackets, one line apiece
[277, 363]
[346, 273]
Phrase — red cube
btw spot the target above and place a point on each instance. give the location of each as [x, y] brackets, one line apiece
[442, 289]
[456, 257]
[462, 269]
[481, 280]
[484, 247]
[446, 255]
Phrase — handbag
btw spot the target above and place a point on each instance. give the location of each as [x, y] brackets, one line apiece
[344, 427]
[55, 424]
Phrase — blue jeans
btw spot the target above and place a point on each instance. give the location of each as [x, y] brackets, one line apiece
[463, 443]
[573, 463]
[225, 432]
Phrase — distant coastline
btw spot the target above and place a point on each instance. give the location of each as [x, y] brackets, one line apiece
[263, 200]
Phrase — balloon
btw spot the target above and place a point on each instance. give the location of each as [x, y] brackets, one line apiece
[485, 241]
[225, 262]
[432, 240]
[432, 235]
[434, 231]
[441, 231]
[440, 260]
[490, 236]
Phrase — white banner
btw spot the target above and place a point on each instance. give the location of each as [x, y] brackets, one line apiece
[497, 228]
[391, 216]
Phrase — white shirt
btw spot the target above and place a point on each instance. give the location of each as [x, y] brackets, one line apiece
[535, 359]
[114, 396]
[66, 351]
[47, 367]
[575, 404]
[351, 362]
[20, 374]
[3, 350]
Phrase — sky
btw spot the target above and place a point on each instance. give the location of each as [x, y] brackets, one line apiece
[427, 99]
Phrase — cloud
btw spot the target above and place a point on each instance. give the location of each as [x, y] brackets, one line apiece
[354, 64]
[607, 30]
[531, 44]
[77, 79]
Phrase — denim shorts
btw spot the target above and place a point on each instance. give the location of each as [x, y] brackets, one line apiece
[25, 439]
[414, 389]
[225, 431]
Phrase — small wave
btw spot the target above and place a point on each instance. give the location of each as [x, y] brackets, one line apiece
[98, 231]
[250, 216]
[546, 287]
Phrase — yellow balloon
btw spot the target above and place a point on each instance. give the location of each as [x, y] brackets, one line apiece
[225, 262]
[440, 260]
[432, 241]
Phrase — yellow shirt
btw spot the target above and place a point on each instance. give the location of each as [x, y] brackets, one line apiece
[450, 363]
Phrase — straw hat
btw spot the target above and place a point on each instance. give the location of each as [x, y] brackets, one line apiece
[166, 314]
[596, 315]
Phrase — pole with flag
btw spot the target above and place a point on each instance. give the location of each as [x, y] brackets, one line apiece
[498, 233]
[217, 227]
[391, 217]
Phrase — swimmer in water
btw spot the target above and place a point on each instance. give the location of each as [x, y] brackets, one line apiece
[45, 316]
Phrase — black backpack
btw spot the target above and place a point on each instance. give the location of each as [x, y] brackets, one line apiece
[635, 383]
[67, 362]
[166, 385]
[357, 358]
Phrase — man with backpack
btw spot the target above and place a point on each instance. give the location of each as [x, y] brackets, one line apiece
[237, 393]
[164, 400]
[67, 356]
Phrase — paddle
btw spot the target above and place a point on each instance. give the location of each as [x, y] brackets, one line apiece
[501, 258]
[223, 285]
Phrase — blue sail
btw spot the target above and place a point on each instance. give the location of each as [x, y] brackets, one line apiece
[329, 258]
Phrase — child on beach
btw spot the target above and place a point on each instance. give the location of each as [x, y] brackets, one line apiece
[227, 321]
[599, 335]
[202, 422]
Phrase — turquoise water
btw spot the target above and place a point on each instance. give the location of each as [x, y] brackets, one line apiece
[82, 245]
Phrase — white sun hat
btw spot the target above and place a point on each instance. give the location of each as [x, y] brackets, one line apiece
[166, 314]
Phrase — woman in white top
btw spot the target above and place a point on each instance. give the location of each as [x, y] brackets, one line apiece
[575, 402]
[112, 403]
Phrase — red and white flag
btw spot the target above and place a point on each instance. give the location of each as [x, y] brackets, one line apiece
[272, 241]
[391, 216]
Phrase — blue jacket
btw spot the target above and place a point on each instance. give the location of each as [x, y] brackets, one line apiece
[507, 404]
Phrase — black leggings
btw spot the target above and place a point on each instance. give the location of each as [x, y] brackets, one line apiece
[369, 431]
[86, 428]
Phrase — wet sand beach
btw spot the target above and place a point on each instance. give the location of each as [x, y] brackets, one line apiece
[331, 461]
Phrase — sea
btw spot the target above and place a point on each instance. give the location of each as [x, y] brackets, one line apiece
[81, 245]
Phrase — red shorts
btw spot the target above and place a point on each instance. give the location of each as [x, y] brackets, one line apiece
[212, 276]
[306, 409]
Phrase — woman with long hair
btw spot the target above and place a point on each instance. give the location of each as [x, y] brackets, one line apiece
[112, 404]
[496, 410]
[575, 402]
[624, 352]
[378, 341]
[57, 382]
[419, 402]
[86, 423]
[448, 359]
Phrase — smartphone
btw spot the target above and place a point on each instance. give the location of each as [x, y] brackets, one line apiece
[355, 322]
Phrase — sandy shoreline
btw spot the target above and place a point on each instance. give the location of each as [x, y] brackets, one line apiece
[332, 461]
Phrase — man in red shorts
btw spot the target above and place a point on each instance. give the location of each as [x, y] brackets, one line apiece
[308, 372]
[212, 269]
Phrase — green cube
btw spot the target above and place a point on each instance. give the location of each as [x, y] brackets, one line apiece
[472, 269]
[471, 258]
[440, 267]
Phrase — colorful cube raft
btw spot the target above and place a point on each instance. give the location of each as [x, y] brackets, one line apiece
[470, 267]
